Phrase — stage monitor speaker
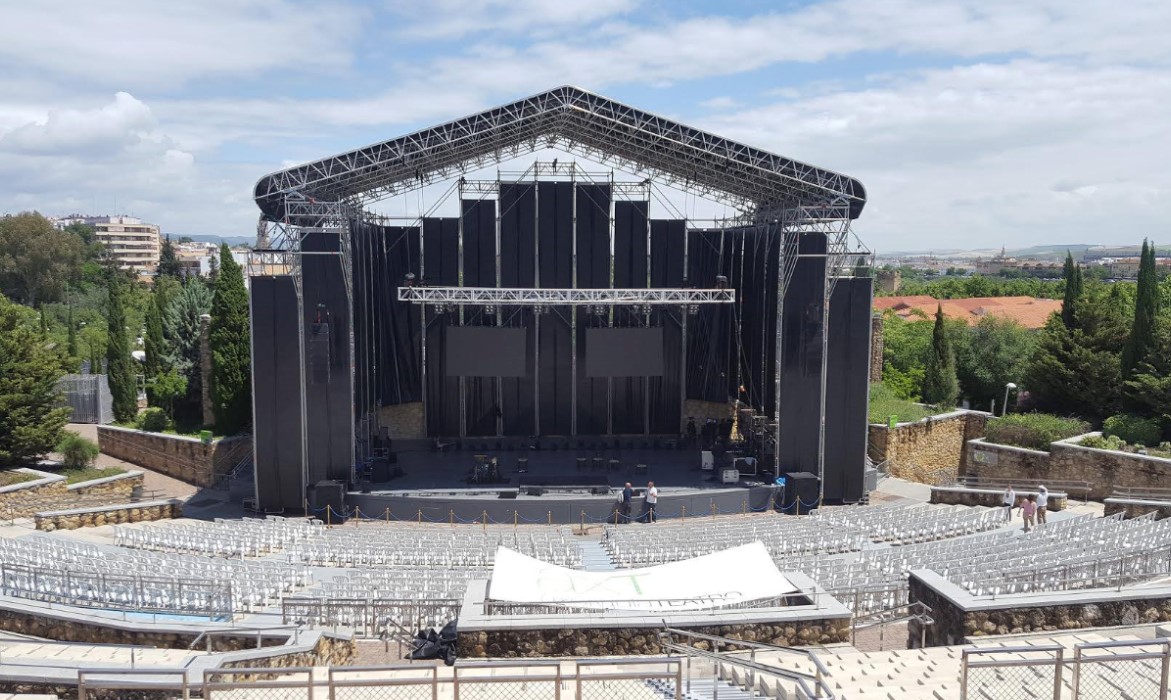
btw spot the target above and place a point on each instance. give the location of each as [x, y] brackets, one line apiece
[510, 493]
[600, 490]
[534, 491]
[380, 470]
[802, 485]
[327, 494]
[760, 497]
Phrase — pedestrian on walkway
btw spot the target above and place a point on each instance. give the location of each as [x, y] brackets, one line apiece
[1029, 510]
[1009, 502]
[1042, 503]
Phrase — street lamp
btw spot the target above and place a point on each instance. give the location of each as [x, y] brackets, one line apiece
[1007, 388]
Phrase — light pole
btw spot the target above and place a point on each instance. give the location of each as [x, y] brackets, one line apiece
[1007, 388]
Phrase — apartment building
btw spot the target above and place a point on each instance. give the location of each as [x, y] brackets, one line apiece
[131, 243]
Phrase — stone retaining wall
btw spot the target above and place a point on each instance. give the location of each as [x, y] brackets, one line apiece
[1067, 460]
[919, 451]
[15, 499]
[185, 458]
[65, 627]
[119, 486]
[622, 641]
[960, 616]
[1135, 507]
[116, 514]
[404, 421]
[993, 498]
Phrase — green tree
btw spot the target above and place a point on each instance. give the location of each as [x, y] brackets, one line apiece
[71, 341]
[1146, 312]
[941, 387]
[169, 265]
[37, 262]
[118, 368]
[167, 387]
[153, 341]
[30, 419]
[181, 327]
[1072, 273]
[77, 452]
[996, 351]
[231, 375]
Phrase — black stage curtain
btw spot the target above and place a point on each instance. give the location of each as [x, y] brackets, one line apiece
[755, 280]
[518, 223]
[328, 357]
[801, 358]
[710, 331]
[479, 245]
[440, 268]
[668, 241]
[847, 389]
[276, 393]
[628, 398]
[593, 272]
[555, 268]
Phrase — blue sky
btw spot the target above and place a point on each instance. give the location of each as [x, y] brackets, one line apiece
[972, 123]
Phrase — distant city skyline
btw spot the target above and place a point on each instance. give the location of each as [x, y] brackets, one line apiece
[1028, 122]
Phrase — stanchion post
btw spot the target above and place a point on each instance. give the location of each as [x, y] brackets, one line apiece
[388, 515]
[419, 515]
[744, 507]
[797, 504]
[615, 516]
[550, 517]
[485, 521]
[684, 516]
[514, 518]
[713, 510]
[583, 522]
[328, 514]
[451, 517]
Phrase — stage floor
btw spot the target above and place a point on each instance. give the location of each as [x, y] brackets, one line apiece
[671, 469]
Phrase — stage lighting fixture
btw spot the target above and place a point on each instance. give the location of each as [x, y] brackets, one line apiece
[721, 282]
[409, 280]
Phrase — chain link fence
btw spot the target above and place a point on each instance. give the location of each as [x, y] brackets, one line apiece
[633, 679]
[384, 683]
[258, 684]
[153, 684]
[1018, 673]
[537, 679]
[1110, 670]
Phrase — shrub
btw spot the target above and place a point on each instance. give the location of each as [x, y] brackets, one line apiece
[1134, 430]
[1033, 430]
[1104, 442]
[77, 452]
[885, 403]
[153, 419]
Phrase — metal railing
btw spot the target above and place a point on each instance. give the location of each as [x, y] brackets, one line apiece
[1146, 493]
[534, 679]
[747, 672]
[1132, 669]
[1010, 673]
[917, 611]
[642, 606]
[1069, 487]
[368, 617]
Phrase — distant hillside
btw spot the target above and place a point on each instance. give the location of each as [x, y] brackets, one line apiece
[210, 238]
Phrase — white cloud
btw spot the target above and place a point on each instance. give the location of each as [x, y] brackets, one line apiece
[449, 19]
[82, 132]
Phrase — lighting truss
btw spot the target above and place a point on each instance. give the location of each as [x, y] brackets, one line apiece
[578, 122]
[520, 296]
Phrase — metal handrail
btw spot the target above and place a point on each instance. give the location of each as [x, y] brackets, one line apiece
[1159, 494]
[1065, 485]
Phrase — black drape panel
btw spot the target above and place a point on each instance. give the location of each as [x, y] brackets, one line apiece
[276, 393]
[518, 269]
[628, 403]
[801, 358]
[756, 314]
[328, 360]
[593, 272]
[479, 242]
[709, 332]
[667, 246]
[847, 389]
[440, 268]
[555, 264]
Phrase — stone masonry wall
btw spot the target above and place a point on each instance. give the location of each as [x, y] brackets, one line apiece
[117, 514]
[184, 458]
[992, 498]
[953, 624]
[921, 450]
[121, 486]
[633, 641]
[15, 499]
[404, 421]
[876, 348]
[1133, 509]
[1066, 460]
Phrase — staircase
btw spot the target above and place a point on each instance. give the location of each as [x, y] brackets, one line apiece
[594, 556]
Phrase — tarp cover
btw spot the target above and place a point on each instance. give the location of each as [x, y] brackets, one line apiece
[741, 574]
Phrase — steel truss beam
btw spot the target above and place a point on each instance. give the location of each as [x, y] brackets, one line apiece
[579, 122]
[519, 296]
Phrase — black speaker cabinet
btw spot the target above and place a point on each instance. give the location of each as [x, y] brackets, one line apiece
[510, 493]
[802, 485]
[328, 494]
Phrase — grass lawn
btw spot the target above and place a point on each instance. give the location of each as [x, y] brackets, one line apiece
[74, 476]
[883, 405]
[8, 478]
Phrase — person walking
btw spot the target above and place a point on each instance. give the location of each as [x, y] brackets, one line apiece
[1042, 503]
[1009, 502]
[627, 499]
[651, 500]
[1029, 510]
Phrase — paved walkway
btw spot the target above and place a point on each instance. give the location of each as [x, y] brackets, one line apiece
[152, 481]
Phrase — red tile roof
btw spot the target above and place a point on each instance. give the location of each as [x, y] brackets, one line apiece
[1027, 311]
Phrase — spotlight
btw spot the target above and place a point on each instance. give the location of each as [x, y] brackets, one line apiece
[721, 282]
[409, 280]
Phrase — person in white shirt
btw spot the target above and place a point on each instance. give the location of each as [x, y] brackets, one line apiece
[1042, 503]
[652, 499]
[1009, 501]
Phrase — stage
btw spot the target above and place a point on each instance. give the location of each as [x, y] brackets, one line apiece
[436, 483]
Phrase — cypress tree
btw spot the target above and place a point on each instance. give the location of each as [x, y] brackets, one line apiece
[1142, 338]
[153, 342]
[231, 375]
[30, 415]
[168, 264]
[118, 369]
[1072, 273]
[71, 343]
[941, 386]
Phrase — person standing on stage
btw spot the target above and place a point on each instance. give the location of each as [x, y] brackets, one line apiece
[627, 499]
[652, 499]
